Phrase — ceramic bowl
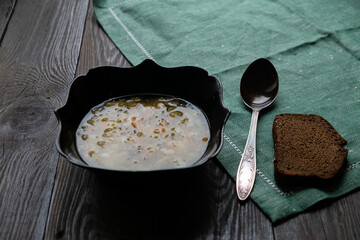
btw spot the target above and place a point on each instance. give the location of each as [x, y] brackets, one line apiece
[103, 83]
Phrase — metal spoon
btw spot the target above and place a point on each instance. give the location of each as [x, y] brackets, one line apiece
[258, 88]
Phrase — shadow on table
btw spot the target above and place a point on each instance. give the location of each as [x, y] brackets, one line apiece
[170, 204]
[295, 183]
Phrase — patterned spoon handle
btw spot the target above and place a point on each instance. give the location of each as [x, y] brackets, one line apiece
[245, 177]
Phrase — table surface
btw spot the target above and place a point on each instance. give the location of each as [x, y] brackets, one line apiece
[45, 44]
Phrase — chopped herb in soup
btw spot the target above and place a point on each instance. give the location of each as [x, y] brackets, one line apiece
[143, 133]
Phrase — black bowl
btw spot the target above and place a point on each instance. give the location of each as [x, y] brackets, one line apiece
[103, 83]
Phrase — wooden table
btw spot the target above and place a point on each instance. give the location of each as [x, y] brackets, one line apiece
[44, 45]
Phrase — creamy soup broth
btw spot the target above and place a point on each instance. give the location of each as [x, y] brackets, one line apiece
[143, 133]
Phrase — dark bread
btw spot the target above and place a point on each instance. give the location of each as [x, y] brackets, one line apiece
[307, 146]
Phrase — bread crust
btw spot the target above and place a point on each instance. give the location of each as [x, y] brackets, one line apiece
[307, 146]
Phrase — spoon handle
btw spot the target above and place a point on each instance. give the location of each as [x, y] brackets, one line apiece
[245, 177]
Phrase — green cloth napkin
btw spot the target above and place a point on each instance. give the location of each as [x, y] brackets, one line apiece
[313, 44]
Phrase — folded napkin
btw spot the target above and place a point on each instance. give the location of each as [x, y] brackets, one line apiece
[314, 45]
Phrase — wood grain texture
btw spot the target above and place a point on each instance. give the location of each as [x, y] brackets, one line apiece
[341, 217]
[232, 219]
[329, 219]
[36, 62]
[6, 10]
[97, 49]
[304, 226]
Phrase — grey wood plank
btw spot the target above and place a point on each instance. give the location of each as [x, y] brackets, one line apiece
[341, 217]
[6, 10]
[307, 225]
[38, 58]
[231, 219]
[329, 219]
[197, 204]
[75, 212]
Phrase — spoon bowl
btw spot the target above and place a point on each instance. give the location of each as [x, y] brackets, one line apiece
[259, 86]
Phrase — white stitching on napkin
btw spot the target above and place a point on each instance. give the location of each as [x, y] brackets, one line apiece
[130, 34]
[257, 170]
[232, 144]
[272, 184]
[352, 166]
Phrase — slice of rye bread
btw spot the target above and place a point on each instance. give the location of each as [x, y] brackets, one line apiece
[307, 146]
